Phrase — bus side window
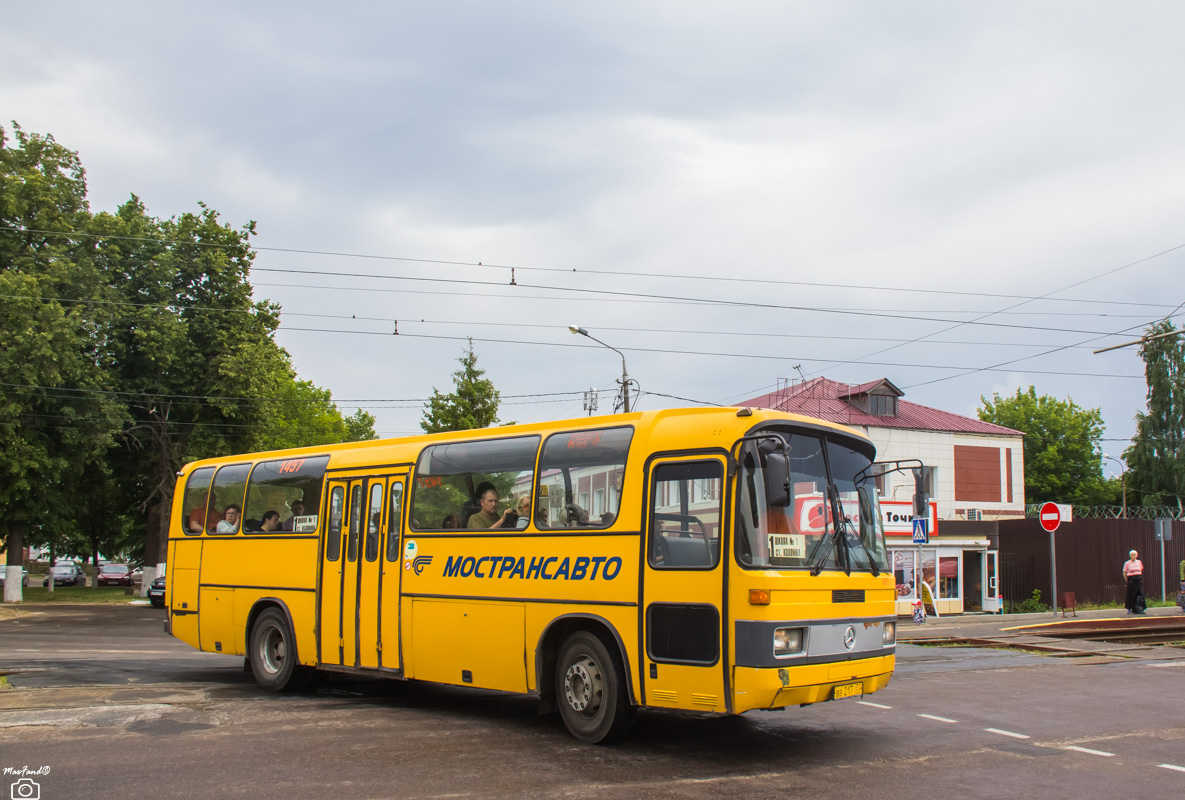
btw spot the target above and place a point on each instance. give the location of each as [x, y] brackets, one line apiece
[580, 478]
[195, 500]
[355, 523]
[374, 522]
[449, 478]
[229, 485]
[394, 521]
[686, 509]
[333, 537]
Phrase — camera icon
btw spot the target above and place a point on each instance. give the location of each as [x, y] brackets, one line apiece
[26, 789]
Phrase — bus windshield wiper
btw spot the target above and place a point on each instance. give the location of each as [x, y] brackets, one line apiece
[873, 568]
[842, 530]
[830, 540]
[845, 528]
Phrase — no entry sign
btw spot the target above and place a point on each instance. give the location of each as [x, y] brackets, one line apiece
[1051, 516]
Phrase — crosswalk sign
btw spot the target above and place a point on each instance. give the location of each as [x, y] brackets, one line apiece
[921, 531]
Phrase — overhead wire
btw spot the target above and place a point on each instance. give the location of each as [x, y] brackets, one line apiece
[1024, 302]
[579, 271]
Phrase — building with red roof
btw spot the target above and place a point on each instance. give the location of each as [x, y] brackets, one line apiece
[974, 474]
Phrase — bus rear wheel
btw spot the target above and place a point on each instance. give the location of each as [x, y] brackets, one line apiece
[590, 690]
[273, 654]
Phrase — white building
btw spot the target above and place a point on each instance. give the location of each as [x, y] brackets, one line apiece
[974, 473]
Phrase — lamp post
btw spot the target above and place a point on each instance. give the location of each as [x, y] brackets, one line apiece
[1122, 480]
[625, 378]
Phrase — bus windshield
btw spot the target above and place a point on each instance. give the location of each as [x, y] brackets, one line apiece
[802, 534]
[864, 536]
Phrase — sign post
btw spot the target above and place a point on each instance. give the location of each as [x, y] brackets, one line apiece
[1051, 518]
[1164, 533]
[921, 536]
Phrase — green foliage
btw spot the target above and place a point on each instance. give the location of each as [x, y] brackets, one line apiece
[304, 414]
[1156, 458]
[1032, 605]
[1063, 462]
[132, 345]
[472, 404]
[55, 420]
[360, 427]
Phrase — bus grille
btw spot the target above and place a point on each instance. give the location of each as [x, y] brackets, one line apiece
[847, 595]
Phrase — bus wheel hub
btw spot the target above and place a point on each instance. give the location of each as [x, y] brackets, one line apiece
[583, 685]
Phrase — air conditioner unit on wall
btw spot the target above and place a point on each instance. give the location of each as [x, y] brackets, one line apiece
[974, 515]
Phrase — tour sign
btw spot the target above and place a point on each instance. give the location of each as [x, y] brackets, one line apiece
[1051, 516]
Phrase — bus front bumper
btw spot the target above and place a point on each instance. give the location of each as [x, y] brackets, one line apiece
[779, 687]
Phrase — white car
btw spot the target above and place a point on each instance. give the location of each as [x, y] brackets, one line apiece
[24, 576]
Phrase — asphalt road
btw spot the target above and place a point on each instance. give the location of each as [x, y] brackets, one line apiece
[113, 707]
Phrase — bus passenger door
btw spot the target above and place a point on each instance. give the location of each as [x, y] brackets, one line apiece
[338, 573]
[377, 607]
[683, 586]
[391, 581]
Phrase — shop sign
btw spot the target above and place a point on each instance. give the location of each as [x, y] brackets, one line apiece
[897, 518]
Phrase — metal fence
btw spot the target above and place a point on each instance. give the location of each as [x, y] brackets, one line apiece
[1033, 511]
[1090, 556]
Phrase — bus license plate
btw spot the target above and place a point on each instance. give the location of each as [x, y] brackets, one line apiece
[849, 690]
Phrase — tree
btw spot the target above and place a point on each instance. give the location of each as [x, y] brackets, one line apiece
[473, 403]
[1063, 461]
[132, 346]
[1156, 458]
[56, 419]
[302, 414]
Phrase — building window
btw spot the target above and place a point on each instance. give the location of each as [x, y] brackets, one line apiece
[882, 405]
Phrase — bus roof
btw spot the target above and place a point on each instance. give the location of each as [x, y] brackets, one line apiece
[664, 429]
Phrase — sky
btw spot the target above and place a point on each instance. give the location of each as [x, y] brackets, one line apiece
[964, 198]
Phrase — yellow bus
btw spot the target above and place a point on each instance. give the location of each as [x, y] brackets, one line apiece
[704, 560]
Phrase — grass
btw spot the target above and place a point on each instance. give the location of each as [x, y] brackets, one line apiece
[109, 595]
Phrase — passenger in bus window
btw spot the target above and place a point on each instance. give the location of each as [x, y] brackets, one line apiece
[297, 511]
[449, 521]
[523, 509]
[230, 520]
[197, 515]
[488, 516]
[270, 522]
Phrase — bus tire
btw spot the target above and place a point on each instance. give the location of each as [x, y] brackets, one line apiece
[273, 654]
[590, 690]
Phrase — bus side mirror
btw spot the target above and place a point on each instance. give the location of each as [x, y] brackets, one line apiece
[921, 499]
[777, 480]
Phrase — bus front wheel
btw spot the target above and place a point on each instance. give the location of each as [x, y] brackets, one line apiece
[273, 654]
[590, 690]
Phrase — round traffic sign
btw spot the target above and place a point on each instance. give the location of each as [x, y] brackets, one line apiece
[1051, 516]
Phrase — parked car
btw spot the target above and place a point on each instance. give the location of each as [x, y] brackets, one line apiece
[24, 576]
[66, 574]
[137, 575]
[114, 575]
[156, 592]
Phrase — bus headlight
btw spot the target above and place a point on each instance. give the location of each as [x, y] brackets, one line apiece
[890, 633]
[787, 641]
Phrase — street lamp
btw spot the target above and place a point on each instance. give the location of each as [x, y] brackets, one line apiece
[625, 378]
[1122, 480]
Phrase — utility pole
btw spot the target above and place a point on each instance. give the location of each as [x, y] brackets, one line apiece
[625, 377]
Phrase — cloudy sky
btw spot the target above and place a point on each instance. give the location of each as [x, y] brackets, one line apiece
[964, 198]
